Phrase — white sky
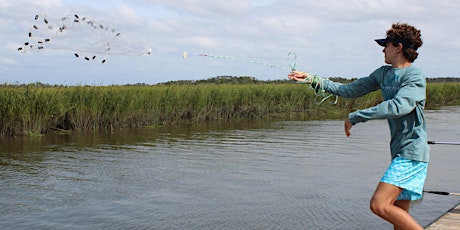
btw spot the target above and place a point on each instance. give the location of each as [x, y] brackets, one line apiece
[332, 38]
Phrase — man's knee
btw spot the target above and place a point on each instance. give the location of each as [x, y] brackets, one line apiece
[377, 207]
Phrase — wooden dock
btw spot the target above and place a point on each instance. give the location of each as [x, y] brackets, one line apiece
[450, 220]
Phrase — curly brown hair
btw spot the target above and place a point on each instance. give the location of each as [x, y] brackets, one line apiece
[408, 36]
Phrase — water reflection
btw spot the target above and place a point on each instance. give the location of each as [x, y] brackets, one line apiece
[257, 175]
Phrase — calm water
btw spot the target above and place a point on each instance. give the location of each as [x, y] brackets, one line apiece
[273, 175]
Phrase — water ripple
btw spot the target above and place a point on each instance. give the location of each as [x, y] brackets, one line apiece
[284, 175]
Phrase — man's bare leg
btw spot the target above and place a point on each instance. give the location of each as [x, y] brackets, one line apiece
[384, 204]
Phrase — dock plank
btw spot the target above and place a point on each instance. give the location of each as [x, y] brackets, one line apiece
[450, 220]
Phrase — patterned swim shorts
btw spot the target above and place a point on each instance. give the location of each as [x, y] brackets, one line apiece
[407, 174]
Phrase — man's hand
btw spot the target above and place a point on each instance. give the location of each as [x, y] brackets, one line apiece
[348, 126]
[300, 77]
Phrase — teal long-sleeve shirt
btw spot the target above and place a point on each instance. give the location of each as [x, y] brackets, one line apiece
[404, 94]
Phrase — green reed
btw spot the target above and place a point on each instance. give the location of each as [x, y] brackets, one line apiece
[35, 110]
[443, 94]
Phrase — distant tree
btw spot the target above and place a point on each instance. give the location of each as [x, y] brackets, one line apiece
[251, 80]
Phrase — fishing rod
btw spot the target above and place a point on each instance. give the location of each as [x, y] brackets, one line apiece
[442, 193]
[442, 143]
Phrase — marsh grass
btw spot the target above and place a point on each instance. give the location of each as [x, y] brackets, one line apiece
[36, 110]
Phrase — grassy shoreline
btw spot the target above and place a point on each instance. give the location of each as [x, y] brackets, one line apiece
[36, 109]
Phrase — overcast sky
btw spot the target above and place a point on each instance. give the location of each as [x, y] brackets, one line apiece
[332, 38]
